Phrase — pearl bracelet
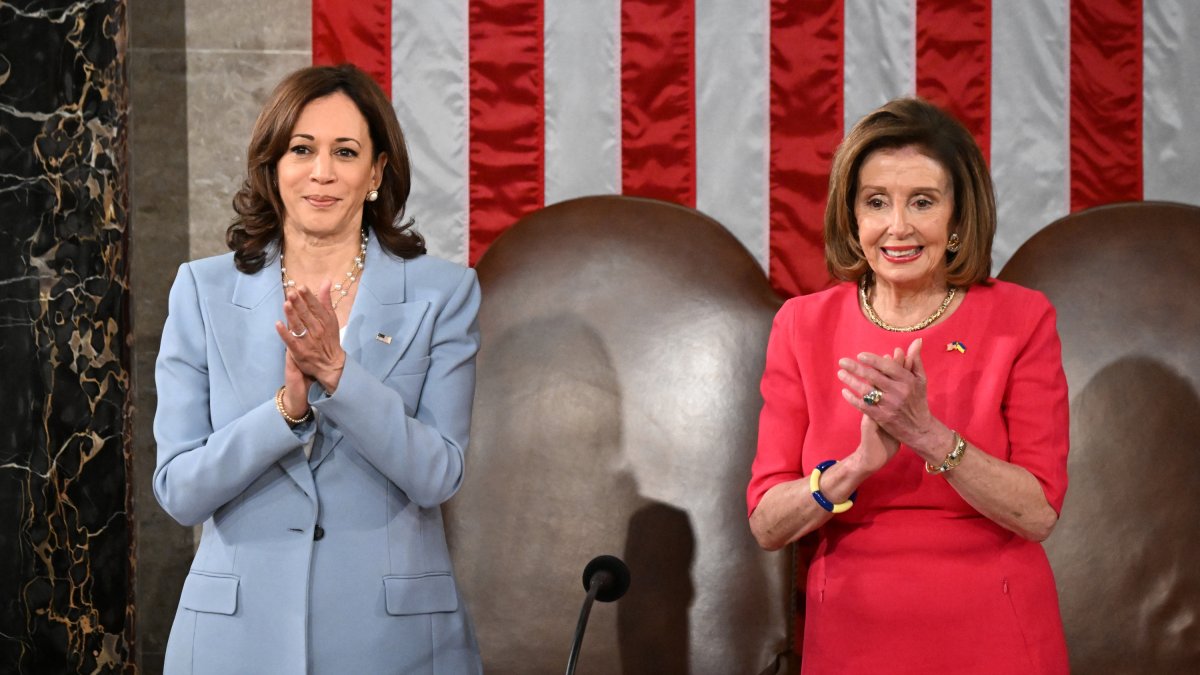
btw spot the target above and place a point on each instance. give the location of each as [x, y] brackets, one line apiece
[293, 421]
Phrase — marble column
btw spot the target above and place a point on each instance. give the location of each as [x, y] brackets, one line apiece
[67, 564]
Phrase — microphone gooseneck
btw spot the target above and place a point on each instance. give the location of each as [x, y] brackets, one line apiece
[606, 578]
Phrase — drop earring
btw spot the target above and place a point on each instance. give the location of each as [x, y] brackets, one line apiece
[953, 244]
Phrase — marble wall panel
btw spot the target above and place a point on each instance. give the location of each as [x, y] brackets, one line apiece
[225, 91]
[155, 26]
[258, 26]
[65, 576]
[159, 243]
[237, 52]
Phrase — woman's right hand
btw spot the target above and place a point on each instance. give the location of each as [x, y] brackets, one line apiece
[295, 387]
[876, 447]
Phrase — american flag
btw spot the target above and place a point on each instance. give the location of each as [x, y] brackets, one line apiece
[734, 107]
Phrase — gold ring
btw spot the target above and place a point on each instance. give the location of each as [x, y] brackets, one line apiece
[873, 397]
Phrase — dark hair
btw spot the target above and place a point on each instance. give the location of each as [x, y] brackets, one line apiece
[259, 220]
[902, 123]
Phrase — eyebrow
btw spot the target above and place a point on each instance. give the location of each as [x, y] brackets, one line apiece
[879, 188]
[341, 139]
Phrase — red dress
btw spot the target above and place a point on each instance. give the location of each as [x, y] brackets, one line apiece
[913, 579]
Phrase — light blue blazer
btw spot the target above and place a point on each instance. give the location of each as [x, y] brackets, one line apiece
[336, 563]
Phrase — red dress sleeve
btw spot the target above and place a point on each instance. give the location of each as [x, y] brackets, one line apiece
[783, 422]
[1036, 408]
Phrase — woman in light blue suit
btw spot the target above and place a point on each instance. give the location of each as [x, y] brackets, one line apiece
[315, 433]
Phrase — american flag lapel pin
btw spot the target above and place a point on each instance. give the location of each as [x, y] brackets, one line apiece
[956, 346]
[385, 339]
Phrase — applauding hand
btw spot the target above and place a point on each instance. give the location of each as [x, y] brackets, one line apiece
[313, 341]
[891, 390]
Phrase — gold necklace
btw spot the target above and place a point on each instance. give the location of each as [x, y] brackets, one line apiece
[870, 311]
[341, 288]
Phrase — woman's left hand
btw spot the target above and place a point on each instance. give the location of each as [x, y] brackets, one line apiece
[319, 352]
[903, 410]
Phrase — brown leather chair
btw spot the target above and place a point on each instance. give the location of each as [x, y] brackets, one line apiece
[616, 413]
[1125, 280]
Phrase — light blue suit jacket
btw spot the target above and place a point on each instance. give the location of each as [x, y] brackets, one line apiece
[335, 563]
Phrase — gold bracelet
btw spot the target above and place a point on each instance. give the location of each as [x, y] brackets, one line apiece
[283, 411]
[952, 459]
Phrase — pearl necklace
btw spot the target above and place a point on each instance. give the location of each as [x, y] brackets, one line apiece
[341, 288]
[870, 311]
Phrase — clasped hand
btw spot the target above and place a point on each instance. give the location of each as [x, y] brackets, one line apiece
[314, 346]
[902, 415]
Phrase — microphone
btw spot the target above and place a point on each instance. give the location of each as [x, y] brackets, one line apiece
[606, 579]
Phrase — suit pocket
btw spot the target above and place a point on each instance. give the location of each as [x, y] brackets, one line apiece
[420, 594]
[405, 367]
[208, 592]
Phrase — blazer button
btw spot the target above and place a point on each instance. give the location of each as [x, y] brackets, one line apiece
[319, 533]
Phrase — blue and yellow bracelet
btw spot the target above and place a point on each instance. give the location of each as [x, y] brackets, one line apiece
[814, 485]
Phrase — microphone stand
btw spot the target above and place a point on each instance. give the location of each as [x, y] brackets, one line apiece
[598, 581]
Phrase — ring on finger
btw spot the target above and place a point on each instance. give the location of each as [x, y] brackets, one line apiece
[300, 334]
[873, 397]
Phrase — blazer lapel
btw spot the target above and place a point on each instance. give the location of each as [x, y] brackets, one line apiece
[244, 327]
[381, 327]
[382, 323]
[251, 351]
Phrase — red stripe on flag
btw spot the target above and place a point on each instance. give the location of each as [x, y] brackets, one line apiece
[507, 111]
[1106, 102]
[658, 100]
[806, 127]
[954, 62]
[354, 32]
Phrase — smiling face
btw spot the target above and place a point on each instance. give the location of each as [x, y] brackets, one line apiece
[903, 207]
[327, 171]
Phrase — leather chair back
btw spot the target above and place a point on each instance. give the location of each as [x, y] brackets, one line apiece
[616, 413]
[1125, 280]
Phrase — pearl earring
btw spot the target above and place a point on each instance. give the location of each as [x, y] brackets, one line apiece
[372, 195]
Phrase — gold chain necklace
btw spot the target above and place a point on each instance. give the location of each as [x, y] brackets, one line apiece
[341, 288]
[870, 311]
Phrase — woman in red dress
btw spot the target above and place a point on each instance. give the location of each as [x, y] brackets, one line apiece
[916, 416]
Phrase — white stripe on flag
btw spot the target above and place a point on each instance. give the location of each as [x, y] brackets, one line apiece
[1171, 90]
[880, 55]
[429, 92]
[733, 118]
[1030, 122]
[1030, 106]
[582, 69]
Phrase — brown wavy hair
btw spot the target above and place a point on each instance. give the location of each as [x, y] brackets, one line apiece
[902, 123]
[254, 234]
